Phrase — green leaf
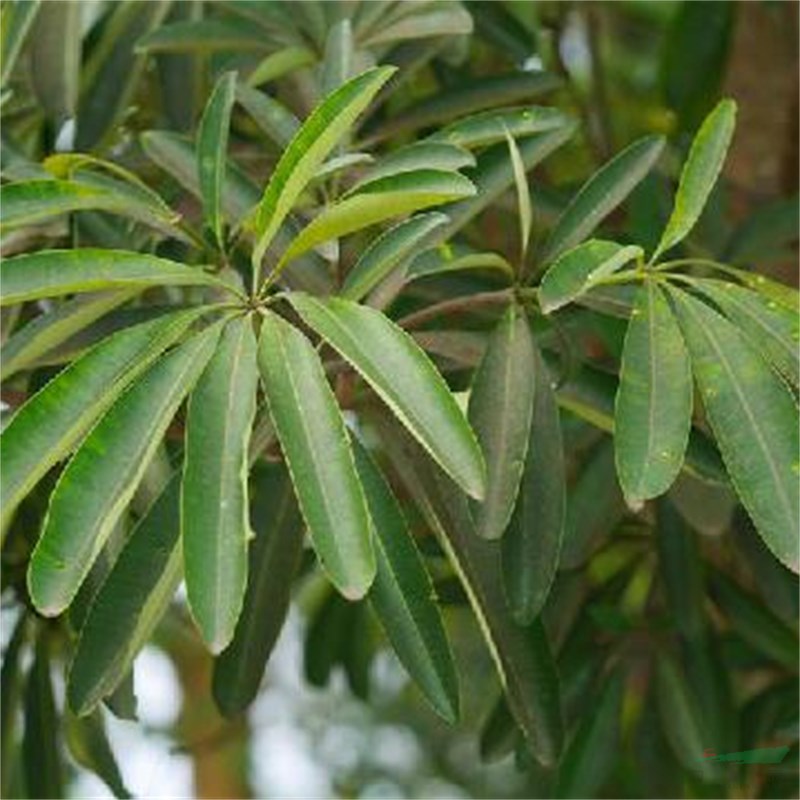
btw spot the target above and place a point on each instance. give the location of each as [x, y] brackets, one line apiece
[404, 378]
[490, 127]
[308, 149]
[402, 595]
[653, 410]
[203, 36]
[100, 480]
[500, 413]
[129, 604]
[274, 119]
[601, 194]
[522, 655]
[50, 273]
[576, 271]
[55, 54]
[700, 173]
[375, 202]
[89, 746]
[48, 330]
[532, 543]
[273, 562]
[450, 20]
[212, 151]
[32, 202]
[41, 756]
[523, 194]
[768, 234]
[389, 252]
[314, 441]
[754, 419]
[11, 686]
[419, 155]
[214, 503]
[447, 258]
[280, 63]
[340, 163]
[337, 60]
[773, 329]
[49, 425]
[592, 753]
[16, 20]
[499, 733]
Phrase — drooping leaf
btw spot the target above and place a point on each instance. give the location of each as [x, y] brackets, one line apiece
[273, 561]
[389, 252]
[47, 331]
[490, 127]
[89, 746]
[653, 410]
[532, 543]
[129, 604]
[402, 595]
[754, 419]
[420, 155]
[52, 422]
[101, 478]
[376, 202]
[308, 149]
[577, 270]
[50, 273]
[402, 375]
[214, 502]
[315, 445]
[500, 413]
[274, 119]
[700, 173]
[601, 194]
[212, 151]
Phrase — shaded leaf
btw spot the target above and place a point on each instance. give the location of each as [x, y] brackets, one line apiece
[15, 24]
[274, 119]
[447, 258]
[202, 35]
[11, 686]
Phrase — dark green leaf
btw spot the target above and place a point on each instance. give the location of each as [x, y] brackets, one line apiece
[11, 684]
[204, 35]
[499, 733]
[420, 155]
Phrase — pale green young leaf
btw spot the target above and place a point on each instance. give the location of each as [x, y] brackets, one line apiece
[577, 270]
[389, 252]
[215, 528]
[405, 379]
[280, 63]
[308, 149]
[754, 419]
[653, 410]
[700, 173]
[500, 412]
[101, 479]
[523, 194]
[51, 423]
[315, 444]
[50, 273]
[601, 194]
[402, 595]
[212, 151]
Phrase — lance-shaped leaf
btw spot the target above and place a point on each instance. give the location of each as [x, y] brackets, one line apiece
[590, 757]
[52, 422]
[212, 151]
[575, 272]
[490, 127]
[388, 252]
[314, 441]
[281, 62]
[17, 19]
[532, 543]
[522, 655]
[273, 562]
[523, 194]
[499, 733]
[50, 273]
[403, 596]
[337, 61]
[100, 480]
[29, 202]
[653, 411]
[448, 20]
[754, 419]
[700, 173]
[500, 412]
[274, 119]
[89, 746]
[309, 148]
[377, 201]
[48, 330]
[420, 155]
[214, 504]
[405, 379]
[772, 328]
[601, 194]
[448, 258]
[203, 36]
[43, 770]
[129, 604]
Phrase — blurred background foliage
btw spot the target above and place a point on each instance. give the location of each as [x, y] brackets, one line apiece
[354, 727]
